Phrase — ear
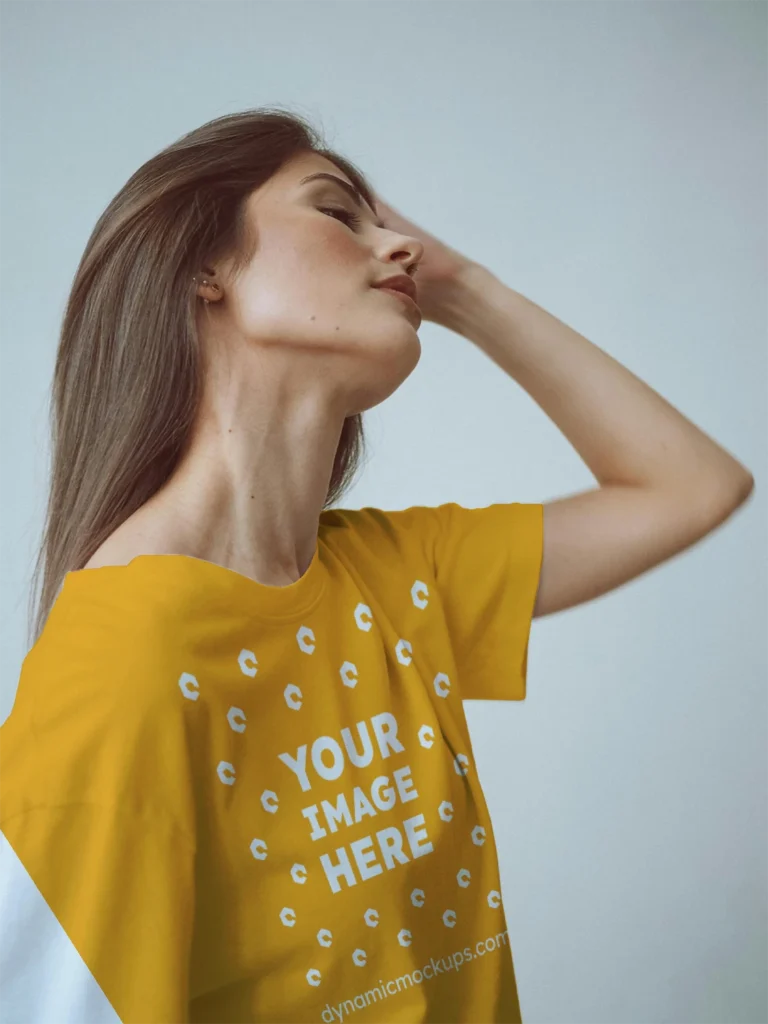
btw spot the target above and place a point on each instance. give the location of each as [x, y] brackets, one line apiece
[207, 288]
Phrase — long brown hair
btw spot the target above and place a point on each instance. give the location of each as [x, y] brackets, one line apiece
[128, 379]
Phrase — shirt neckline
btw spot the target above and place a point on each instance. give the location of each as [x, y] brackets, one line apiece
[188, 575]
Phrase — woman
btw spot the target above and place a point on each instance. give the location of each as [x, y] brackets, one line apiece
[238, 768]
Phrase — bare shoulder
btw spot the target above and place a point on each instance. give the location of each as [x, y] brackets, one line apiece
[105, 555]
[133, 537]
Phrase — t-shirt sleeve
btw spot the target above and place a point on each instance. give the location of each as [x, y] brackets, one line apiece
[485, 564]
[98, 825]
[97, 908]
[487, 568]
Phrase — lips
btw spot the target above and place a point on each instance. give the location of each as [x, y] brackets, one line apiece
[404, 300]
[399, 283]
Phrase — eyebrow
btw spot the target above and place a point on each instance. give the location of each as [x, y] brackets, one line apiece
[351, 191]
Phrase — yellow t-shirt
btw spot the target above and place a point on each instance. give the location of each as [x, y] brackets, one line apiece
[255, 803]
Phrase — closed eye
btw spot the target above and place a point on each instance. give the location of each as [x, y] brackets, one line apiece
[349, 218]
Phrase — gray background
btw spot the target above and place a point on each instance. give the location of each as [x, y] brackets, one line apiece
[607, 160]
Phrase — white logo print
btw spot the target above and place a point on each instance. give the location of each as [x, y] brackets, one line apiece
[243, 659]
[259, 849]
[478, 835]
[404, 937]
[371, 917]
[461, 764]
[403, 650]
[494, 898]
[189, 686]
[417, 897]
[449, 918]
[363, 617]
[442, 684]
[292, 696]
[234, 713]
[324, 937]
[299, 873]
[417, 589]
[359, 957]
[269, 801]
[445, 810]
[288, 917]
[426, 736]
[305, 638]
[226, 773]
[463, 877]
[348, 673]
[313, 976]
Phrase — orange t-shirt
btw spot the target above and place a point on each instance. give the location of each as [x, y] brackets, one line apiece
[253, 803]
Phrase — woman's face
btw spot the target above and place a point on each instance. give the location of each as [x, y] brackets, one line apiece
[306, 300]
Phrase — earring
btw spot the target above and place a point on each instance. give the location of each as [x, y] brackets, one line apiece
[205, 281]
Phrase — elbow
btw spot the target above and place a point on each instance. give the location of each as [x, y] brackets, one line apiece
[720, 501]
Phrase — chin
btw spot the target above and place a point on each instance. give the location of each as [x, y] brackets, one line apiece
[384, 377]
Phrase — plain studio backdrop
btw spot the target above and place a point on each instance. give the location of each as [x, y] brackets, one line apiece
[607, 160]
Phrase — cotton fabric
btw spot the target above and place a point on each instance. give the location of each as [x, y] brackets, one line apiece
[238, 802]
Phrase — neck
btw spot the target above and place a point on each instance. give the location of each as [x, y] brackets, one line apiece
[249, 492]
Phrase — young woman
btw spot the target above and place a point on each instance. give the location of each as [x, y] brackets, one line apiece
[237, 768]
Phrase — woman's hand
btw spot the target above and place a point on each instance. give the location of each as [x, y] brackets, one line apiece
[439, 269]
